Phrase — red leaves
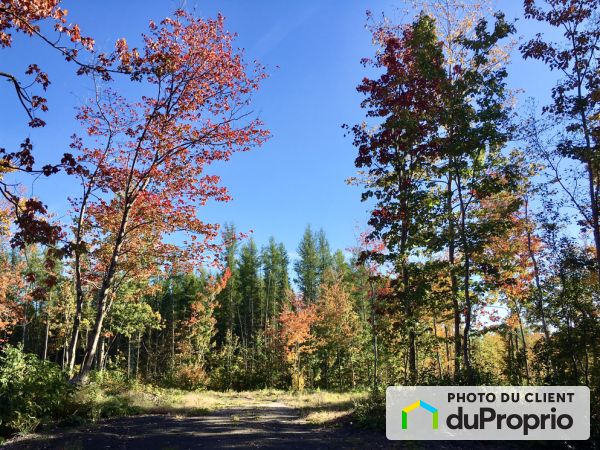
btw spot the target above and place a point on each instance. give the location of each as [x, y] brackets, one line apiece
[143, 162]
[33, 226]
[148, 156]
[36, 122]
[40, 77]
[23, 16]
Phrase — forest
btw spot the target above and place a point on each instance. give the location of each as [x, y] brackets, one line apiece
[479, 264]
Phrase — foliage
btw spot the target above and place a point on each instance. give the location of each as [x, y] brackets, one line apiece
[295, 336]
[370, 412]
[575, 103]
[474, 268]
[31, 391]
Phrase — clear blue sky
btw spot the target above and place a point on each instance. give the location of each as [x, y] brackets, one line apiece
[312, 50]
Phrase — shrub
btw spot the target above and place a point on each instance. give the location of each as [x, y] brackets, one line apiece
[32, 391]
[190, 377]
[370, 411]
[113, 381]
[93, 402]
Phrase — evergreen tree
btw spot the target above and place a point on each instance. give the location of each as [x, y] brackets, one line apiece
[324, 254]
[307, 266]
[250, 287]
[228, 298]
[276, 282]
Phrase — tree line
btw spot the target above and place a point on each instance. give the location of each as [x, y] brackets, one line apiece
[241, 328]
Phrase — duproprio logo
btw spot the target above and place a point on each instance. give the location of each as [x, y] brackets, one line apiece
[488, 413]
[420, 404]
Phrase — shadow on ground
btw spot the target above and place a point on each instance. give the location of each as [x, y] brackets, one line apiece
[268, 426]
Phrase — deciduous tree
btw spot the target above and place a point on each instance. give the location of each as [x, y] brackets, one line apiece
[574, 103]
[142, 164]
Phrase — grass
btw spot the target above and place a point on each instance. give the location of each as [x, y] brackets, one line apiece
[321, 407]
[317, 407]
[112, 399]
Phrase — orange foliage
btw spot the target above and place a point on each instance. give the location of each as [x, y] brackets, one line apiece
[295, 330]
[12, 286]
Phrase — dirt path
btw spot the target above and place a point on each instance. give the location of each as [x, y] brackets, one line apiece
[272, 425]
[262, 425]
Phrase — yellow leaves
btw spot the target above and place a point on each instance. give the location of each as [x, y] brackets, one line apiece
[455, 18]
[512, 321]
[10, 281]
[5, 220]
[5, 168]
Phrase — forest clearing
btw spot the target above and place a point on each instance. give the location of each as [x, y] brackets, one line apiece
[182, 419]
[217, 231]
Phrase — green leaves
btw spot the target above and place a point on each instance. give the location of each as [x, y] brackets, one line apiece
[31, 390]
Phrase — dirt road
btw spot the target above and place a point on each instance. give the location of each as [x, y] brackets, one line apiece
[273, 425]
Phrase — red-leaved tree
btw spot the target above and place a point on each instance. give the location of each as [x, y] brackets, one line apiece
[142, 165]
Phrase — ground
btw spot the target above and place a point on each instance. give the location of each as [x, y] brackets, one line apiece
[207, 420]
[182, 420]
[274, 426]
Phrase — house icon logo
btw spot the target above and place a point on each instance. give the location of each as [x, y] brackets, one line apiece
[426, 406]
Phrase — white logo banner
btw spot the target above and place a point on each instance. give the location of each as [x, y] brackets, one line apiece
[488, 413]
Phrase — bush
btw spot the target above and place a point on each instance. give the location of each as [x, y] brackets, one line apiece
[32, 391]
[190, 377]
[93, 402]
[370, 412]
[113, 381]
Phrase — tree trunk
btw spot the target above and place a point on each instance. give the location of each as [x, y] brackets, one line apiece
[79, 297]
[374, 331]
[46, 334]
[137, 357]
[447, 349]
[539, 302]
[595, 220]
[453, 281]
[104, 301]
[102, 354]
[172, 346]
[523, 345]
[466, 281]
[437, 348]
[128, 357]
[590, 168]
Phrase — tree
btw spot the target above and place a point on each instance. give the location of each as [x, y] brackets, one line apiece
[228, 298]
[436, 155]
[307, 266]
[400, 152]
[27, 17]
[197, 332]
[131, 318]
[295, 335]
[574, 103]
[324, 254]
[250, 289]
[478, 129]
[336, 329]
[10, 283]
[148, 158]
[458, 26]
[276, 282]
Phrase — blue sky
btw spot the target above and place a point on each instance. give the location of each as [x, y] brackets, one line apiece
[312, 51]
